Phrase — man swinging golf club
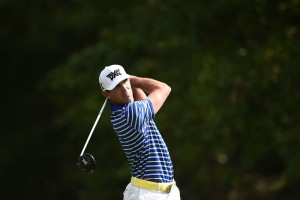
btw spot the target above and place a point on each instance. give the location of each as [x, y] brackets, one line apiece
[134, 101]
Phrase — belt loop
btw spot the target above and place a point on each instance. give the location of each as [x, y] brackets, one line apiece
[134, 179]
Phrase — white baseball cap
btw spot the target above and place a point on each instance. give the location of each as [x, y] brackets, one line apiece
[111, 76]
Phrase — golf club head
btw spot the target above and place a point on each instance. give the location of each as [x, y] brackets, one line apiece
[87, 163]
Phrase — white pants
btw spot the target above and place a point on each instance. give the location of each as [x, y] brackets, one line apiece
[135, 193]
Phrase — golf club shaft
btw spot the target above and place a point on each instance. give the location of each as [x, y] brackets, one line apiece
[91, 133]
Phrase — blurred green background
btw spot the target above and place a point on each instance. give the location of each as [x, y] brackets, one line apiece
[231, 122]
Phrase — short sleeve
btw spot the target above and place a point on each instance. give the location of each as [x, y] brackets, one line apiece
[139, 114]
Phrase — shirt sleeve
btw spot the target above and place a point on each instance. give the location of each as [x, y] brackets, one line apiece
[139, 114]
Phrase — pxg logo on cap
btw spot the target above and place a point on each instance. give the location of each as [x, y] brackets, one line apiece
[111, 76]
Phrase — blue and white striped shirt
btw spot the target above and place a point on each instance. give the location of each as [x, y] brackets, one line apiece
[146, 151]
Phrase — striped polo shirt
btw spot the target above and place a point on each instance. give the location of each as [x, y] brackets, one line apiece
[146, 151]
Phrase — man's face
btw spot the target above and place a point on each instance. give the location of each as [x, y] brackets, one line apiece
[121, 94]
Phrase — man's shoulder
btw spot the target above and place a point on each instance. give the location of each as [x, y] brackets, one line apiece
[144, 104]
[135, 108]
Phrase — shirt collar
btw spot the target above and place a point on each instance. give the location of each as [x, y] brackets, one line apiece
[115, 107]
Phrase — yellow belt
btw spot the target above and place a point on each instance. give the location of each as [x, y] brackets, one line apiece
[148, 185]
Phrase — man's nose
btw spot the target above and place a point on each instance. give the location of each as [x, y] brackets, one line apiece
[123, 86]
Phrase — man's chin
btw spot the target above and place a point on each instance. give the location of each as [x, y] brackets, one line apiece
[128, 100]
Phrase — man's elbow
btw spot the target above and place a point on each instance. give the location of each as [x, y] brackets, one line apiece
[167, 89]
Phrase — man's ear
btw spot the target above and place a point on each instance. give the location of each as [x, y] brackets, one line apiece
[106, 94]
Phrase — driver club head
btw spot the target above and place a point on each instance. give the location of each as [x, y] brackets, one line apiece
[87, 163]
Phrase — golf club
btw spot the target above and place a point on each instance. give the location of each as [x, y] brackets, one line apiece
[86, 161]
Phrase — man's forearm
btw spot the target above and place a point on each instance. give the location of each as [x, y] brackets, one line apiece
[157, 91]
[146, 84]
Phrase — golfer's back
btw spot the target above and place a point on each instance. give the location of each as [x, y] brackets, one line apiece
[142, 143]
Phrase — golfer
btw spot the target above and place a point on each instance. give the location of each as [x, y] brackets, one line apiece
[134, 101]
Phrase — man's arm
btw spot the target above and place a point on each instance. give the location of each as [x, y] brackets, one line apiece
[138, 94]
[157, 91]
